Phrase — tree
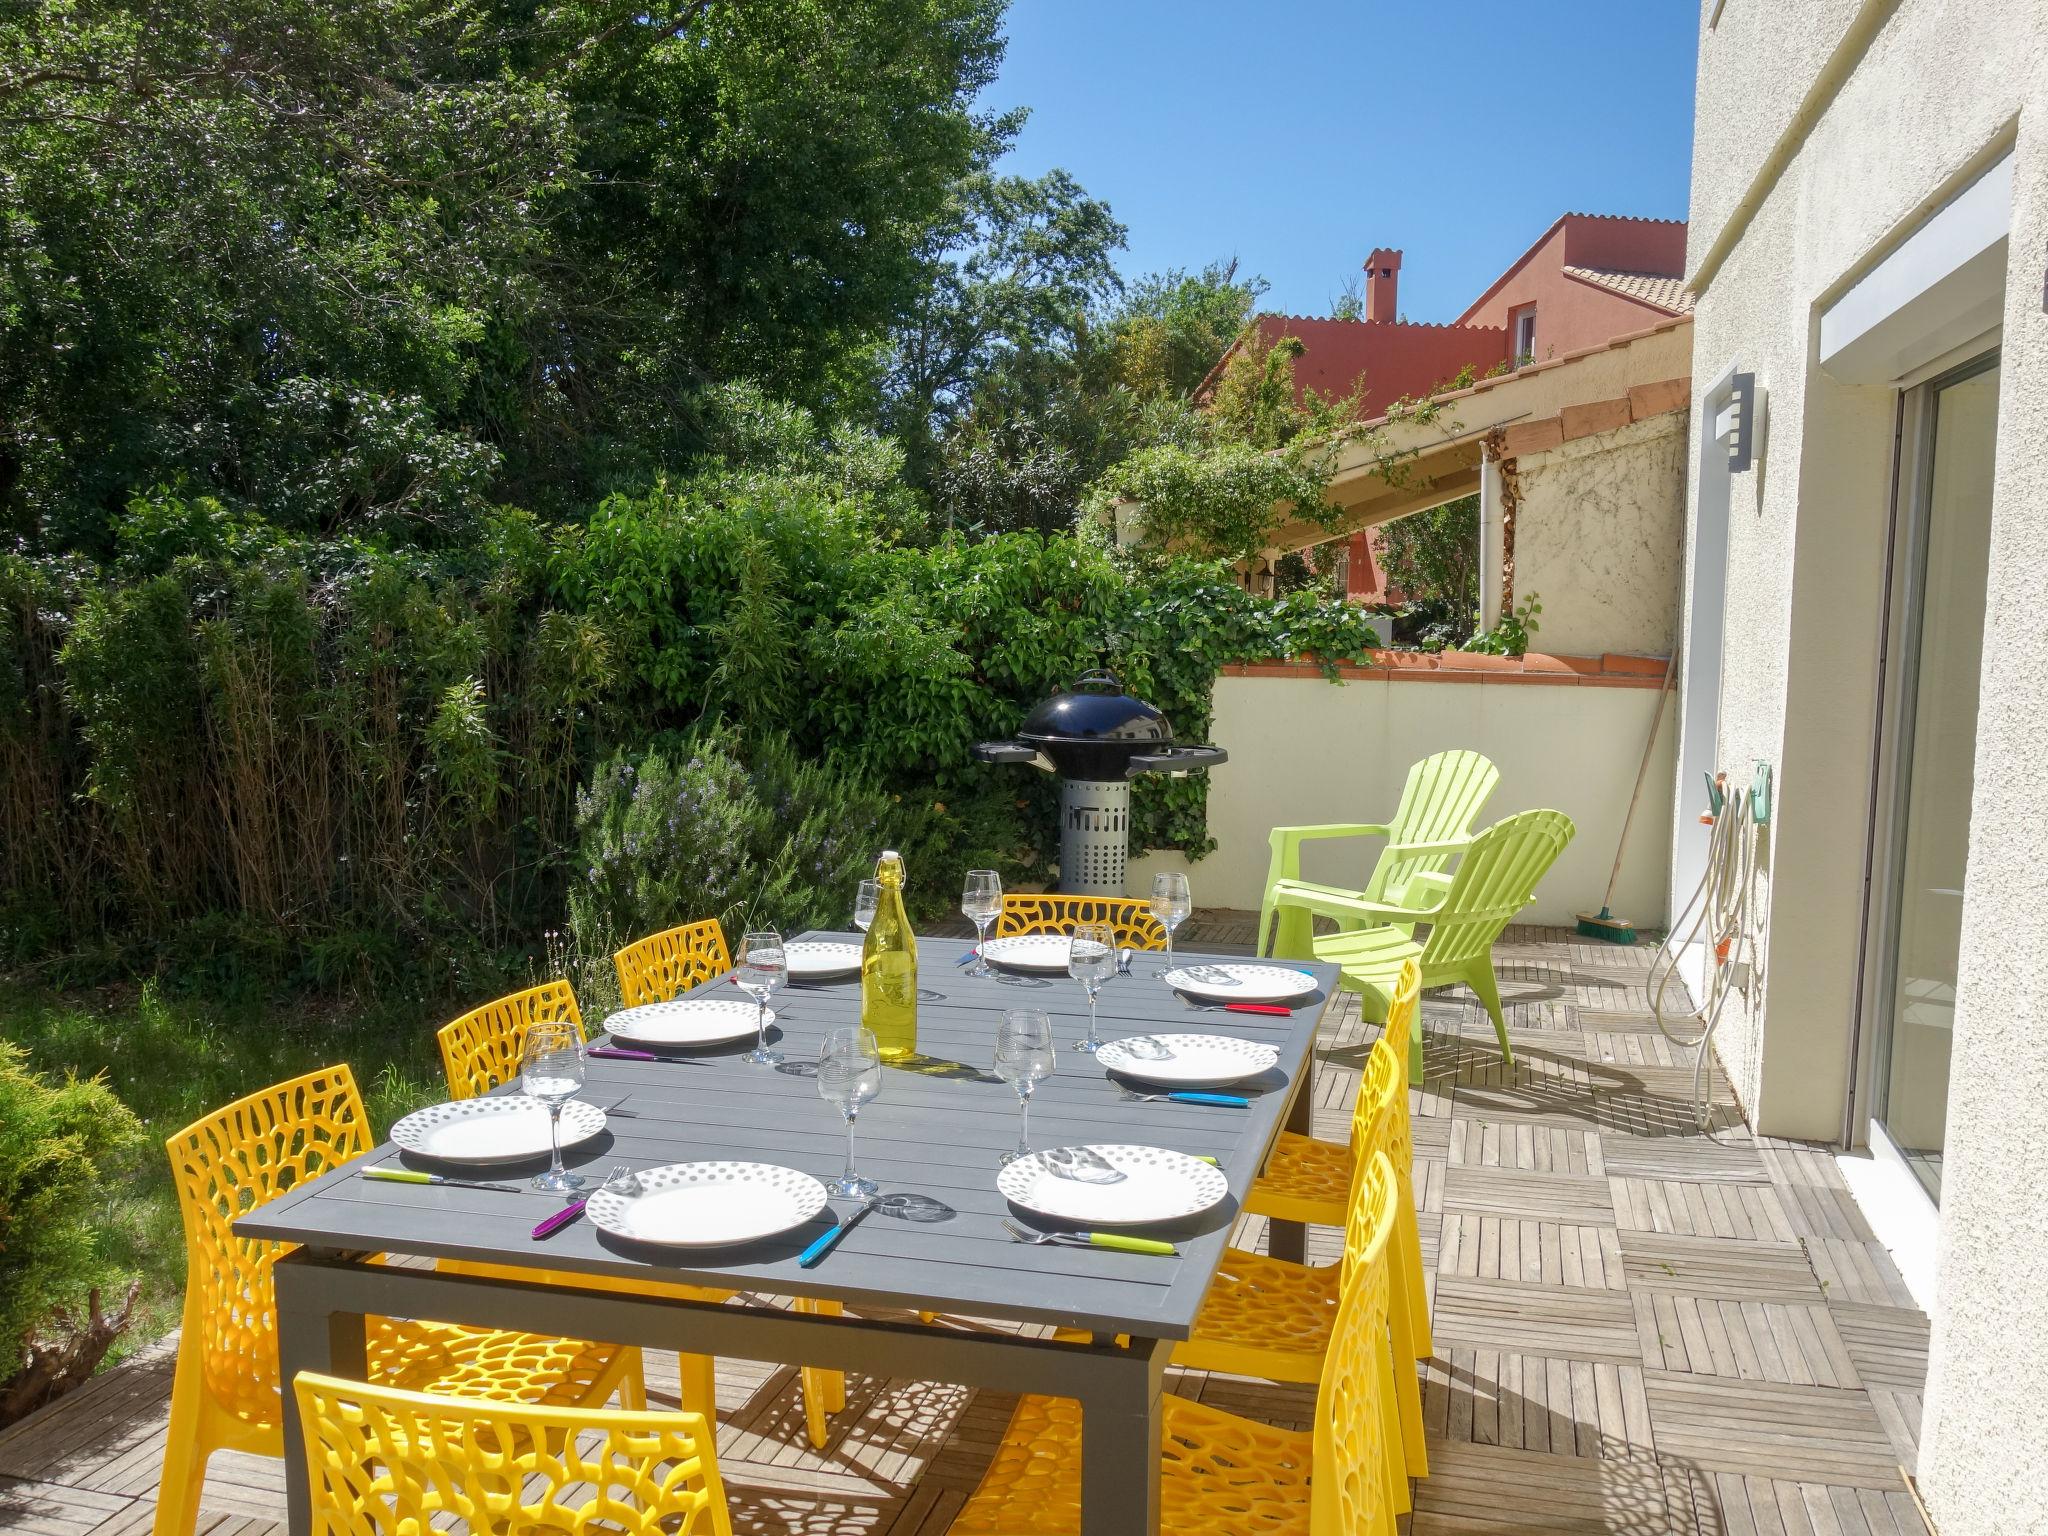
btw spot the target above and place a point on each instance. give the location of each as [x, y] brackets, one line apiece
[371, 267]
[1433, 556]
[1050, 420]
[1172, 326]
[1011, 274]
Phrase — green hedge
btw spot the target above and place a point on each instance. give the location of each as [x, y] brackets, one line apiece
[247, 754]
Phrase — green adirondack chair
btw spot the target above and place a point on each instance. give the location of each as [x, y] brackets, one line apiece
[1495, 879]
[1431, 826]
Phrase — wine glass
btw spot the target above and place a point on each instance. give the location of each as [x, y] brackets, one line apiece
[850, 1074]
[1171, 904]
[1091, 960]
[764, 966]
[1023, 1055]
[981, 902]
[865, 900]
[551, 1070]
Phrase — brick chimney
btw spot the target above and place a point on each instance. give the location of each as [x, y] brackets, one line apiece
[1382, 275]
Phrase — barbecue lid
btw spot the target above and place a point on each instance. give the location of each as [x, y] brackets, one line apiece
[1096, 708]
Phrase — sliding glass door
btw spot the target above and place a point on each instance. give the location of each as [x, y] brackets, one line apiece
[1937, 644]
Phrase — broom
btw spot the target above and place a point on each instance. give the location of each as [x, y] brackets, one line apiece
[1604, 924]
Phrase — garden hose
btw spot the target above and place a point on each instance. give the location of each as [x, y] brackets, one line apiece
[1717, 916]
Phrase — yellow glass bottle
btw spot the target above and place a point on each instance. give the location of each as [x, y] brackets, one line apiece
[888, 967]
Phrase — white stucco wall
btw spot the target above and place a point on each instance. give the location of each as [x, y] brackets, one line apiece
[1600, 536]
[1305, 751]
[1924, 94]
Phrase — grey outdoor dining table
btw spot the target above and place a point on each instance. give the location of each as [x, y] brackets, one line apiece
[937, 1130]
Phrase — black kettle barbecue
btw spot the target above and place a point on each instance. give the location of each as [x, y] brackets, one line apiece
[1097, 737]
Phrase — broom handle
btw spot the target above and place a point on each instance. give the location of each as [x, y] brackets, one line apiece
[1649, 750]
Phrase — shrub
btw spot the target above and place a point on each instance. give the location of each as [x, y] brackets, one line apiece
[59, 1145]
[693, 829]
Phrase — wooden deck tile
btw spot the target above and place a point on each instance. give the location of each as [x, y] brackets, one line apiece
[1750, 1340]
[1560, 1406]
[1539, 1319]
[1727, 1159]
[1536, 1148]
[1684, 1207]
[1485, 1247]
[1857, 1271]
[1483, 1490]
[1888, 1344]
[55, 1509]
[1711, 1266]
[1543, 1196]
[1803, 1434]
[1729, 1504]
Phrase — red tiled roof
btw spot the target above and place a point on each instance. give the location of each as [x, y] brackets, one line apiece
[1657, 289]
[1395, 358]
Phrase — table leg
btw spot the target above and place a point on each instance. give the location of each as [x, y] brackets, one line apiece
[1289, 1239]
[1122, 1428]
[310, 1337]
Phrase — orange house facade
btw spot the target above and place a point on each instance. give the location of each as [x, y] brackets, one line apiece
[1588, 279]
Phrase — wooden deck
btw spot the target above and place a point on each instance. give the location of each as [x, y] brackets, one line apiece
[1639, 1329]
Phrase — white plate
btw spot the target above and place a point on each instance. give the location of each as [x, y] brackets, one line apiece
[709, 1205]
[1197, 1061]
[1039, 953]
[685, 1021]
[1241, 983]
[815, 959]
[510, 1128]
[1158, 1185]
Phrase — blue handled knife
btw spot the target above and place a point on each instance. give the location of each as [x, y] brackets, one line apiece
[813, 1255]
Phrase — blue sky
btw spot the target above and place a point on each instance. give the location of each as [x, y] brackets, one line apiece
[1298, 134]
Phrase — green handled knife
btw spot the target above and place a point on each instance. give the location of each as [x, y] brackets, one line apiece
[1118, 1240]
[414, 1176]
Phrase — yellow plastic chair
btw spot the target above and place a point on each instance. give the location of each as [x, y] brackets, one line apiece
[1131, 919]
[1223, 1475]
[1310, 1181]
[1269, 1317]
[1431, 825]
[226, 1394]
[381, 1460]
[656, 968]
[1495, 879]
[481, 1050]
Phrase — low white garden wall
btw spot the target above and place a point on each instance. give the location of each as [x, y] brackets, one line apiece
[1566, 732]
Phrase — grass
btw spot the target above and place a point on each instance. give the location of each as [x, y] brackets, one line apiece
[173, 1058]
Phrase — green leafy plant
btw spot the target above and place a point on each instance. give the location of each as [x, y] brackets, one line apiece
[690, 830]
[60, 1142]
[1510, 636]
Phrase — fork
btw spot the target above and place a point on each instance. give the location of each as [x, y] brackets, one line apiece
[1088, 1239]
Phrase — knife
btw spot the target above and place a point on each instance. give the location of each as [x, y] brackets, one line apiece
[414, 1176]
[616, 1053]
[812, 1256]
[1117, 1240]
[560, 1219]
